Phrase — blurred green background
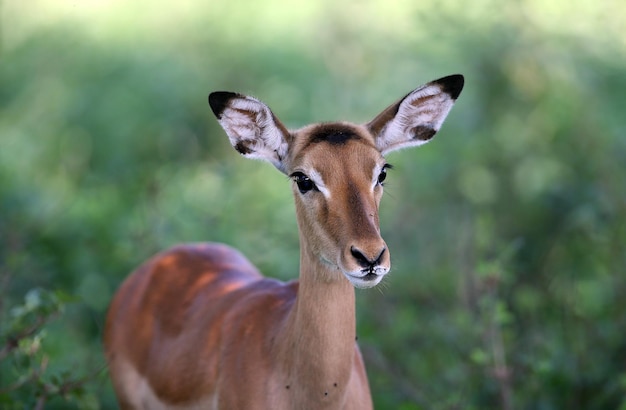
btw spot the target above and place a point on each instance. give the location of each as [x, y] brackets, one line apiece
[507, 232]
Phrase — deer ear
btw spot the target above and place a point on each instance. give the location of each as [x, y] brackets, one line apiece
[252, 128]
[415, 119]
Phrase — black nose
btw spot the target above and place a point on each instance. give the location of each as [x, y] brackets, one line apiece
[365, 261]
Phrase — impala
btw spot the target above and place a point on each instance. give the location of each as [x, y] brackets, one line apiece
[198, 327]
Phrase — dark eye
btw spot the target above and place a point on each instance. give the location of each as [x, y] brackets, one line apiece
[304, 183]
[383, 174]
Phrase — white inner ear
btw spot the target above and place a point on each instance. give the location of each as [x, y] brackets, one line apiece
[237, 122]
[425, 107]
[249, 120]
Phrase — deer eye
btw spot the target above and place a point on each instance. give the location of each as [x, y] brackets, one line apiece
[304, 183]
[383, 174]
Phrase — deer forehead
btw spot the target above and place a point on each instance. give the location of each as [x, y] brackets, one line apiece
[336, 151]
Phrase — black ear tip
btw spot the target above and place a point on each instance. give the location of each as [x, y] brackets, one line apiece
[452, 85]
[218, 101]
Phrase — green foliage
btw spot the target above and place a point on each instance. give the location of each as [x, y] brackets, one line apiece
[507, 232]
[30, 384]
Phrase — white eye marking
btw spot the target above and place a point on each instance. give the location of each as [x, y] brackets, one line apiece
[377, 170]
[319, 182]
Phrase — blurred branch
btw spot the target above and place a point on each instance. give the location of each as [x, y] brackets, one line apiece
[48, 389]
[23, 343]
[65, 388]
[33, 376]
[12, 341]
[501, 371]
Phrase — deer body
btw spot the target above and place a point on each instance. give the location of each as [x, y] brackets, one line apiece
[198, 327]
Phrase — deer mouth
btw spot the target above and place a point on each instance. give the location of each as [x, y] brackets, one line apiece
[367, 278]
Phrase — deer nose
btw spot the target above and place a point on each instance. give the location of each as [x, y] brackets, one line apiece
[367, 260]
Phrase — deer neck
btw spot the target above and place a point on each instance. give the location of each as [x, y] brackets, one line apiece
[319, 347]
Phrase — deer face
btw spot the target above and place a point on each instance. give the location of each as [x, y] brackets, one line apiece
[338, 175]
[338, 170]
